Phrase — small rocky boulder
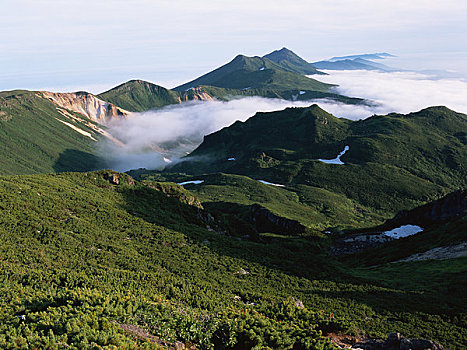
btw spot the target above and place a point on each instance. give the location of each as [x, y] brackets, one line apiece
[116, 178]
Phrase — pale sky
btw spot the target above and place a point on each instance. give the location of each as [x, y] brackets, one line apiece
[94, 45]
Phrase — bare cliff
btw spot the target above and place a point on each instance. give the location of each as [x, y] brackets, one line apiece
[86, 104]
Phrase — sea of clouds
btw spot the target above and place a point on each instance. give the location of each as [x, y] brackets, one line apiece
[154, 138]
[400, 92]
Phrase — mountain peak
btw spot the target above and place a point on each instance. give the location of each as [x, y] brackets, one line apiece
[291, 62]
[139, 95]
[284, 49]
[245, 73]
[282, 53]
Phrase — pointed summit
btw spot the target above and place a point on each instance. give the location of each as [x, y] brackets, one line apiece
[290, 61]
[244, 73]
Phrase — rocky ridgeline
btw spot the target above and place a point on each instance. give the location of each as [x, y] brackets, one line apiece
[446, 208]
[195, 94]
[86, 104]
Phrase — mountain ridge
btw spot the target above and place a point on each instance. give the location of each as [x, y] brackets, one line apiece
[419, 155]
[244, 72]
[289, 60]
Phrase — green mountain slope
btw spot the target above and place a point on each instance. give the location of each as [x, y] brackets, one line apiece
[315, 208]
[290, 61]
[394, 162]
[139, 96]
[38, 137]
[93, 260]
[255, 73]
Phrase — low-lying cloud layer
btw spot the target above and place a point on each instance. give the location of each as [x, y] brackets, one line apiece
[173, 131]
[156, 137]
[400, 92]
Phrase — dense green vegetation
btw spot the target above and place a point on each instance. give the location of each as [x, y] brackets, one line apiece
[34, 140]
[394, 162]
[81, 257]
[139, 96]
[290, 61]
[97, 260]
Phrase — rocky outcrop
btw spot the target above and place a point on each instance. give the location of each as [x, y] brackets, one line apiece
[116, 178]
[439, 253]
[178, 192]
[86, 104]
[196, 94]
[266, 221]
[396, 341]
[444, 209]
[351, 244]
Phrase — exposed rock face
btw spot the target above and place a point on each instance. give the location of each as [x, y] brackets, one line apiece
[449, 207]
[439, 253]
[86, 104]
[396, 341]
[196, 94]
[265, 221]
[298, 303]
[118, 178]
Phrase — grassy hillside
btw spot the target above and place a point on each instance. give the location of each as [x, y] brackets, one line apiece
[35, 139]
[290, 61]
[394, 162]
[91, 260]
[139, 96]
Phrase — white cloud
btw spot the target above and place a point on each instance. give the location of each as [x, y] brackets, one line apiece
[173, 131]
[401, 92]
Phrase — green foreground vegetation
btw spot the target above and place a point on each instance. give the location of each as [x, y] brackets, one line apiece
[81, 257]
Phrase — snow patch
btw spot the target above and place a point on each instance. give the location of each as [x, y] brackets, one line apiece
[270, 183]
[194, 182]
[167, 160]
[336, 160]
[302, 92]
[262, 68]
[232, 158]
[403, 231]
